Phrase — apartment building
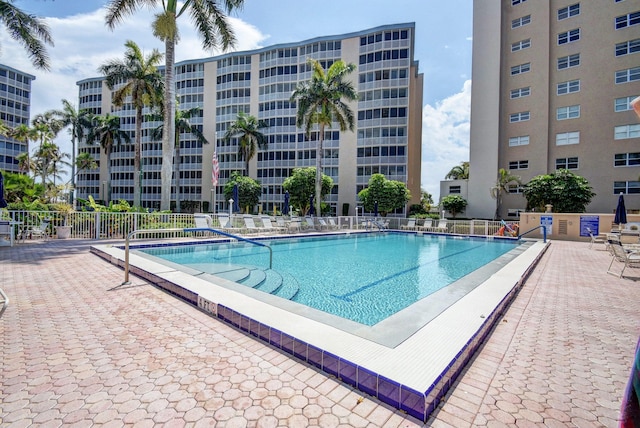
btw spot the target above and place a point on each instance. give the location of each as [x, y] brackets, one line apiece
[15, 105]
[552, 82]
[387, 136]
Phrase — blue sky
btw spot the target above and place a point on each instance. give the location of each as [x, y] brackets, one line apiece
[443, 49]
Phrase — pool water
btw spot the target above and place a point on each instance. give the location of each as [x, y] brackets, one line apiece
[363, 277]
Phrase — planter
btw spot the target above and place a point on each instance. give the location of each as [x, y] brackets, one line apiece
[63, 232]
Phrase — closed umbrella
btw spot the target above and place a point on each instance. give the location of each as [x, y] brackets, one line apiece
[285, 210]
[311, 210]
[3, 203]
[375, 209]
[621, 212]
[236, 199]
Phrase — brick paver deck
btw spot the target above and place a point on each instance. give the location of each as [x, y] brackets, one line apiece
[78, 349]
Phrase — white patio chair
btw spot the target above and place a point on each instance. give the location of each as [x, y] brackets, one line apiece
[620, 254]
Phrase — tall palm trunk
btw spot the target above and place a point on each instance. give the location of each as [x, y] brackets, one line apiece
[168, 136]
[137, 172]
[177, 171]
[319, 151]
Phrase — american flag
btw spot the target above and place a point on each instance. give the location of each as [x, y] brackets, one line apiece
[215, 172]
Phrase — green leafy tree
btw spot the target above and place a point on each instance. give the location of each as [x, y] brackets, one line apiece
[504, 180]
[566, 191]
[31, 32]
[459, 172]
[24, 134]
[105, 130]
[246, 129]
[320, 102]
[301, 186]
[20, 187]
[182, 125]
[249, 190]
[426, 200]
[215, 31]
[78, 122]
[390, 194]
[454, 204]
[136, 79]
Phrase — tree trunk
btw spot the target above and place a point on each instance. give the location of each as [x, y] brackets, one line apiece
[318, 195]
[168, 134]
[137, 158]
[177, 180]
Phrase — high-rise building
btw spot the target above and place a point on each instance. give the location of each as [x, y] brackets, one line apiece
[387, 136]
[552, 82]
[15, 103]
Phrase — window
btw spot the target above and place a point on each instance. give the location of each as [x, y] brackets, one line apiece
[626, 159]
[627, 187]
[522, 44]
[569, 11]
[519, 69]
[626, 131]
[523, 164]
[568, 61]
[569, 112]
[520, 22]
[627, 20]
[519, 117]
[629, 47]
[522, 140]
[455, 189]
[567, 163]
[569, 36]
[624, 103]
[628, 75]
[517, 189]
[515, 2]
[568, 87]
[567, 138]
[521, 92]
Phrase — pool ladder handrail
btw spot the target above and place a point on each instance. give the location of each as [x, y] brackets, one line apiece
[544, 232]
[188, 229]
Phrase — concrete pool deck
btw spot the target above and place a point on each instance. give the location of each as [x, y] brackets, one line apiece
[79, 348]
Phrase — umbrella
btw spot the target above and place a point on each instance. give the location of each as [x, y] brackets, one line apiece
[3, 203]
[311, 210]
[375, 209]
[236, 199]
[621, 211]
[285, 210]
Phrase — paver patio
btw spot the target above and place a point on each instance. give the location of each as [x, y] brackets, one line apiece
[78, 349]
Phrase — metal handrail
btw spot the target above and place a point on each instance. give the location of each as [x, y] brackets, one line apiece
[5, 302]
[544, 232]
[191, 229]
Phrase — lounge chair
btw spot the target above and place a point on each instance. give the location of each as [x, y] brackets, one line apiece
[323, 224]
[309, 223]
[269, 227]
[426, 225]
[223, 219]
[281, 223]
[39, 231]
[411, 224]
[250, 225]
[203, 221]
[596, 239]
[441, 227]
[333, 224]
[621, 255]
[295, 224]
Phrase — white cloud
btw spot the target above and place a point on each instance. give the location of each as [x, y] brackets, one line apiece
[445, 138]
[83, 42]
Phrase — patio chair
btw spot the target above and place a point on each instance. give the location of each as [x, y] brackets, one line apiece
[620, 254]
[411, 225]
[39, 231]
[223, 219]
[250, 225]
[441, 227]
[426, 226]
[269, 227]
[202, 221]
[596, 239]
[6, 231]
[295, 224]
[334, 225]
[309, 223]
[323, 224]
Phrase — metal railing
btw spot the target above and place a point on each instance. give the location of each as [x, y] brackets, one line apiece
[5, 301]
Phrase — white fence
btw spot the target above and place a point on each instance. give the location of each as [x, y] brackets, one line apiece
[109, 225]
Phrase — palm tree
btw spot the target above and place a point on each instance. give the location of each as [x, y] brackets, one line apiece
[44, 133]
[214, 29]
[182, 125]
[320, 103]
[106, 131]
[23, 133]
[246, 129]
[27, 30]
[458, 172]
[78, 122]
[48, 157]
[505, 179]
[139, 79]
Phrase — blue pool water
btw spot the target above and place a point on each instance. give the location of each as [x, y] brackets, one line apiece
[365, 278]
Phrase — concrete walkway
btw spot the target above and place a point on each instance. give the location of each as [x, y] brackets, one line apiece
[78, 349]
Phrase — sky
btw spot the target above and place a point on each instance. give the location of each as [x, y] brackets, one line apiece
[443, 50]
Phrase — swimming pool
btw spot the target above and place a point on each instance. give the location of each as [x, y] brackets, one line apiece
[363, 278]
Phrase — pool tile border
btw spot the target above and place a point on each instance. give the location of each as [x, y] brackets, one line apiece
[418, 404]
